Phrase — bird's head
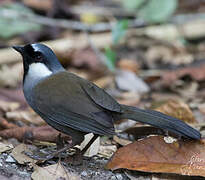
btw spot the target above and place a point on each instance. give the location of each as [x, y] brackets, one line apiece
[38, 58]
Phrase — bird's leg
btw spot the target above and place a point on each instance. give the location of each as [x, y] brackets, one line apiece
[166, 133]
[87, 145]
[60, 143]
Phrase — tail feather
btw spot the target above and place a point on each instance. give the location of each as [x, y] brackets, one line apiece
[159, 120]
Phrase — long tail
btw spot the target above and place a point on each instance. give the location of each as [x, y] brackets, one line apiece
[159, 120]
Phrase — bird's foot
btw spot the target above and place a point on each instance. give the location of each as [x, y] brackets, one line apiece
[49, 156]
[75, 159]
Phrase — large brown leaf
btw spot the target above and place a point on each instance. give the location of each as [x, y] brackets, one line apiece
[154, 154]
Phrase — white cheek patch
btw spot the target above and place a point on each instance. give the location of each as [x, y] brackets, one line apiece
[38, 70]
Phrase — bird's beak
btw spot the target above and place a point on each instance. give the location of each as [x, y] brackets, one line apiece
[18, 48]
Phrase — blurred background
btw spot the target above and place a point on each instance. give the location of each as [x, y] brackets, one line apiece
[149, 54]
[139, 51]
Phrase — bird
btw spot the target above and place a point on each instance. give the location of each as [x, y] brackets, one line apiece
[76, 106]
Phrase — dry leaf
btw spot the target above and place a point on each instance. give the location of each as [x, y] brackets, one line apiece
[45, 5]
[87, 58]
[25, 116]
[121, 141]
[53, 172]
[5, 147]
[13, 95]
[195, 72]
[18, 153]
[171, 32]
[128, 81]
[164, 32]
[177, 109]
[153, 154]
[10, 76]
[89, 18]
[129, 98]
[104, 81]
[94, 148]
[107, 150]
[167, 55]
[202, 108]
[8, 106]
[129, 65]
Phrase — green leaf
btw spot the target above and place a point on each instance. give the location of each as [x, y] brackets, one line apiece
[132, 5]
[157, 11]
[14, 25]
[111, 58]
[119, 30]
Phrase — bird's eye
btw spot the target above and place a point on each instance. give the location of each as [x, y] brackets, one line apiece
[38, 57]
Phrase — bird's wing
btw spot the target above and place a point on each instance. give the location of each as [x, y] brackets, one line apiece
[60, 99]
[100, 97]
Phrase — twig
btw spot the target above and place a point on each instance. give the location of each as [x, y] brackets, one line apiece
[183, 18]
[41, 133]
[99, 27]
[102, 11]
[5, 124]
[80, 9]
[68, 24]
